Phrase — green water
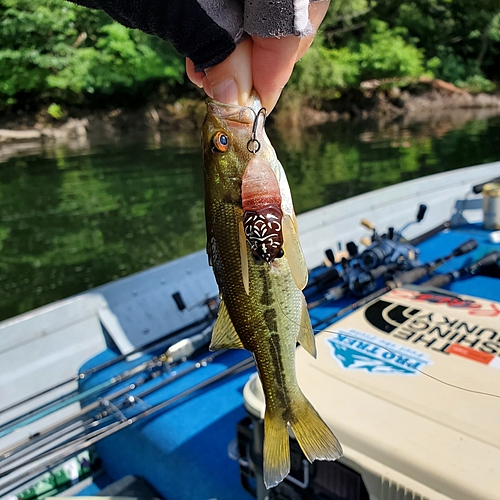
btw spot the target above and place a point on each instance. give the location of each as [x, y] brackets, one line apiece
[72, 220]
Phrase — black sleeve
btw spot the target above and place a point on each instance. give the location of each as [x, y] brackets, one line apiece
[183, 22]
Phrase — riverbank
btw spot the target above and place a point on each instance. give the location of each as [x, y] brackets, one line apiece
[79, 127]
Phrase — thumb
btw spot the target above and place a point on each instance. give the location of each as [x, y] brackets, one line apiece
[231, 80]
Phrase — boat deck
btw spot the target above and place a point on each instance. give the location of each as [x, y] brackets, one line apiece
[182, 451]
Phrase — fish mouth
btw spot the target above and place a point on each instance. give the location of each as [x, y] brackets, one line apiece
[233, 112]
[230, 112]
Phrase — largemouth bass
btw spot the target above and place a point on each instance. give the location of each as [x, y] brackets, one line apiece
[253, 247]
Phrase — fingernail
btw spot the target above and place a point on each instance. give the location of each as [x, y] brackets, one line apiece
[226, 91]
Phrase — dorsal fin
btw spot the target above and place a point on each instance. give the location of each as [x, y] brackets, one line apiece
[224, 335]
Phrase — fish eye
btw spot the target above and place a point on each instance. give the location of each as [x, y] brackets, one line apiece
[221, 142]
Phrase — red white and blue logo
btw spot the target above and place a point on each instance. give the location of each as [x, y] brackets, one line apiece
[355, 350]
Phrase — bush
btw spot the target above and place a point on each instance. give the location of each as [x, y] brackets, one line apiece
[386, 54]
[382, 53]
[52, 48]
[476, 84]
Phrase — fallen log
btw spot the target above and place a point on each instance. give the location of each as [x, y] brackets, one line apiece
[19, 135]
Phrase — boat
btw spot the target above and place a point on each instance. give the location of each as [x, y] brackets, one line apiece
[113, 392]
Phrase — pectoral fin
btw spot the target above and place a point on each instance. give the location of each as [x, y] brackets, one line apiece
[293, 252]
[244, 258]
[305, 337]
[224, 335]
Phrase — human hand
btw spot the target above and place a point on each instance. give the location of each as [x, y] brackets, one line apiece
[264, 64]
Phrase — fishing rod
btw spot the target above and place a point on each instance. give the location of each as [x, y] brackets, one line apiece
[178, 351]
[478, 188]
[357, 281]
[405, 278]
[358, 272]
[36, 414]
[109, 409]
[210, 302]
[64, 426]
[441, 280]
[385, 253]
[74, 447]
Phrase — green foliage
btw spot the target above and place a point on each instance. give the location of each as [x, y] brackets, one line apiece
[463, 36]
[322, 72]
[476, 83]
[52, 48]
[386, 54]
[55, 51]
[381, 53]
[55, 111]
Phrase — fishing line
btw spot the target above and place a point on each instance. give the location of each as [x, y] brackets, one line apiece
[433, 377]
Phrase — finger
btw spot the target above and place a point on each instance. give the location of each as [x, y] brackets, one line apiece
[195, 76]
[273, 59]
[317, 12]
[272, 64]
[231, 80]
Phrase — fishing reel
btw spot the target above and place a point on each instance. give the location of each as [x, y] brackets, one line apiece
[363, 282]
[391, 247]
[361, 273]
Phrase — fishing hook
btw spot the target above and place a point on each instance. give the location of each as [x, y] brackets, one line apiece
[253, 145]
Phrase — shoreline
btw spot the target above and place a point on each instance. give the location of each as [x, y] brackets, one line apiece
[85, 126]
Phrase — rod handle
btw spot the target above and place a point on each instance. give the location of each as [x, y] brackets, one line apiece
[439, 280]
[381, 270]
[367, 224]
[487, 260]
[352, 248]
[330, 256]
[410, 276]
[421, 212]
[464, 248]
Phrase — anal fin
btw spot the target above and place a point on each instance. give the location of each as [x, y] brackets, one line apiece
[293, 252]
[224, 334]
[305, 336]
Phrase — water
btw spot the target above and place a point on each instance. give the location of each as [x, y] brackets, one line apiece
[72, 220]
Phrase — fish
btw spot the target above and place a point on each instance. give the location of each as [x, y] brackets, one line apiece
[254, 249]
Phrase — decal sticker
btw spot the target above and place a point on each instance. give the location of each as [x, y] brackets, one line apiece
[480, 357]
[355, 350]
[458, 334]
[471, 307]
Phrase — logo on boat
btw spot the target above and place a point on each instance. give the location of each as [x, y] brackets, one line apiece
[355, 350]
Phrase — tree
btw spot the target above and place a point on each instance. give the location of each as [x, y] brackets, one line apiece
[55, 49]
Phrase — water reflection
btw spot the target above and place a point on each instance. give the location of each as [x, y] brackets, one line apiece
[71, 219]
[338, 160]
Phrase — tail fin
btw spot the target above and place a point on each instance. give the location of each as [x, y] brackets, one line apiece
[276, 449]
[314, 437]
